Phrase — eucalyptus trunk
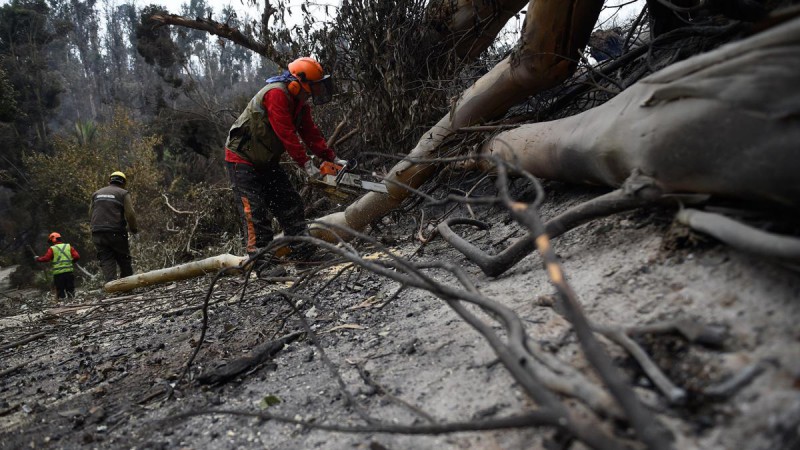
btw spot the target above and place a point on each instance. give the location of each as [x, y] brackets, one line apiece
[555, 34]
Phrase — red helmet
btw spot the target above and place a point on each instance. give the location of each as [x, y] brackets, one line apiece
[53, 237]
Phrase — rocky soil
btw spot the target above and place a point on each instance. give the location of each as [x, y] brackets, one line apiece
[96, 370]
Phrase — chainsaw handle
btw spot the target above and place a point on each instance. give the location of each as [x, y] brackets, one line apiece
[329, 168]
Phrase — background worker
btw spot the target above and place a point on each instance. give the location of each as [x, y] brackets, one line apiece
[112, 215]
[62, 255]
[274, 121]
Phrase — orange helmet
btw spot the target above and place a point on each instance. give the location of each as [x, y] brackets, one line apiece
[53, 237]
[306, 69]
[312, 79]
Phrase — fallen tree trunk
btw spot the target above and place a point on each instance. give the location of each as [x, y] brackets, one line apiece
[724, 123]
[181, 272]
[555, 33]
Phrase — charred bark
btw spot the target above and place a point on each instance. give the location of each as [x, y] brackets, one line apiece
[224, 31]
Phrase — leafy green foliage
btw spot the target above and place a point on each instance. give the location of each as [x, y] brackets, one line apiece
[269, 400]
[117, 145]
[85, 132]
[64, 181]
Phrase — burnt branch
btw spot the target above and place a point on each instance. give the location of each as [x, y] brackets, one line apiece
[224, 31]
[611, 203]
[534, 419]
[648, 429]
[23, 341]
[259, 354]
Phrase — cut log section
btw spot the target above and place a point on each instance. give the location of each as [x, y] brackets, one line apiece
[176, 273]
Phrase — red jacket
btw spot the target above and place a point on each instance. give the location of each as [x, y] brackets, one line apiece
[281, 120]
[49, 255]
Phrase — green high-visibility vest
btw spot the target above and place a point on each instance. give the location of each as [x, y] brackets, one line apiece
[62, 258]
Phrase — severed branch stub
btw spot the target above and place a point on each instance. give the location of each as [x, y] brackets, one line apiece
[741, 236]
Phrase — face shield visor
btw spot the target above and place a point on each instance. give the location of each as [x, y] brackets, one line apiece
[322, 90]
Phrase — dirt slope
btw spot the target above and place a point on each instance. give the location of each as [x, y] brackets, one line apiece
[97, 375]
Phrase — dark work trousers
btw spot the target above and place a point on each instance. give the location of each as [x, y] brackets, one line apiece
[112, 251]
[65, 284]
[260, 194]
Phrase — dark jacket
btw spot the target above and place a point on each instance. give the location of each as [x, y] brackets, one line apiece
[112, 210]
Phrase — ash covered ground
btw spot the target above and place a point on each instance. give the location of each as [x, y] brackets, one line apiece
[97, 369]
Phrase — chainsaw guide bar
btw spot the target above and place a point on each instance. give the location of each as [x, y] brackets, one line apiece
[336, 176]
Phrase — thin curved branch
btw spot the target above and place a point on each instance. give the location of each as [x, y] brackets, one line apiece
[647, 427]
[494, 265]
[726, 389]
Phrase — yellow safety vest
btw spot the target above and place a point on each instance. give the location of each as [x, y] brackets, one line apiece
[62, 258]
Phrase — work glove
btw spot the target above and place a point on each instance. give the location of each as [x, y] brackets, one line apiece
[311, 170]
[340, 162]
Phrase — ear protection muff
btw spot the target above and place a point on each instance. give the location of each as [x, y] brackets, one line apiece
[294, 87]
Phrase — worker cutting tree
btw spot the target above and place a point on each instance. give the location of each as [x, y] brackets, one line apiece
[275, 121]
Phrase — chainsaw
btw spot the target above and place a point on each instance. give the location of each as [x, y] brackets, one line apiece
[336, 175]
